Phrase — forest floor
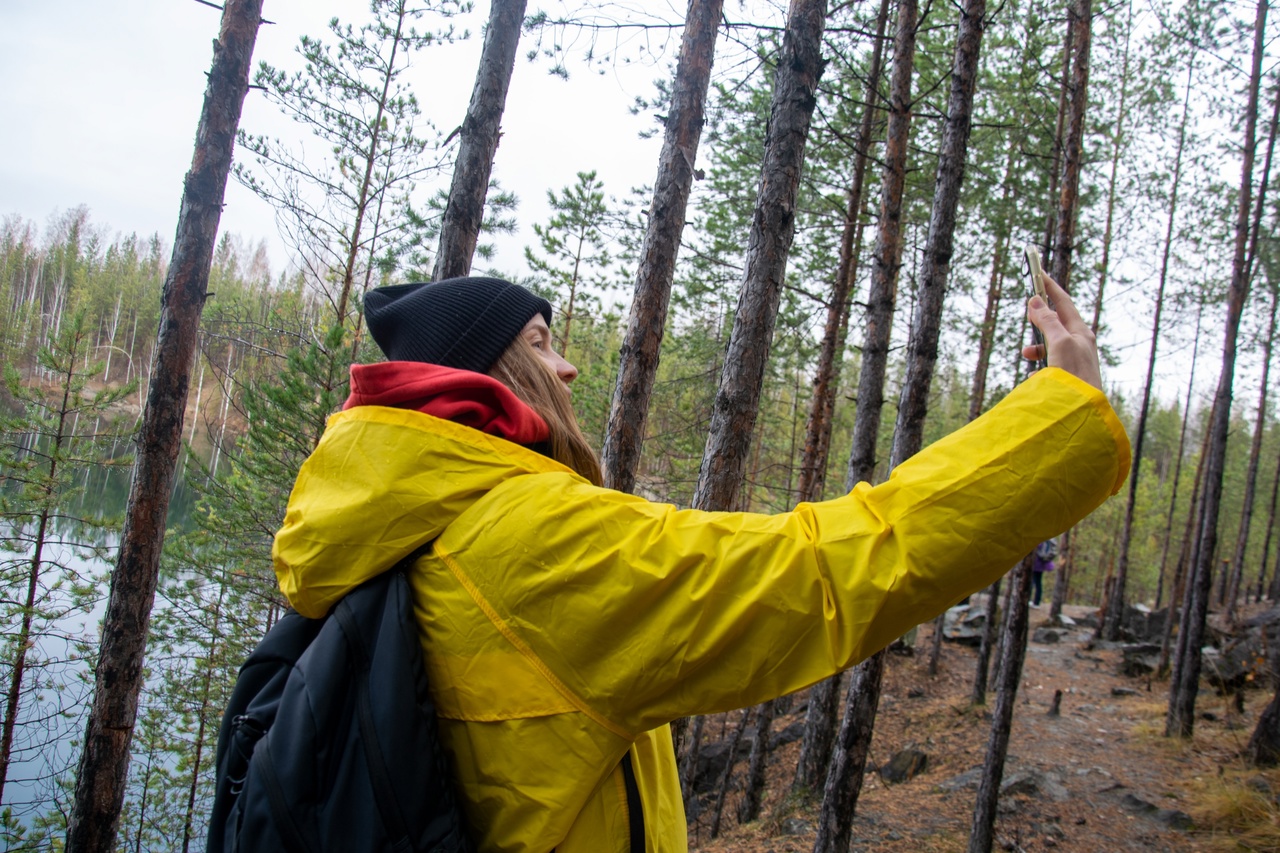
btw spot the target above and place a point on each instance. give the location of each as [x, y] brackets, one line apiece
[1098, 777]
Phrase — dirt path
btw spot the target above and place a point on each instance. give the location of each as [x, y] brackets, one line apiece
[1099, 777]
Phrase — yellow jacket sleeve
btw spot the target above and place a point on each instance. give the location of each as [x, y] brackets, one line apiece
[644, 613]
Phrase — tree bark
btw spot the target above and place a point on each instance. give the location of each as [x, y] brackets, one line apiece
[1255, 448]
[104, 762]
[978, 695]
[1251, 477]
[1264, 744]
[737, 402]
[1073, 154]
[887, 257]
[478, 141]
[922, 347]
[1117, 147]
[820, 717]
[982, 831]
[642, 343]
[1114, 611]
[1181, 716]
[844, 779]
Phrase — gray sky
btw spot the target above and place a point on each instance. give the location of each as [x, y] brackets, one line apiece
[100, 103]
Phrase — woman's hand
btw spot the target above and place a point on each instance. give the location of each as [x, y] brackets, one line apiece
[1068, 339]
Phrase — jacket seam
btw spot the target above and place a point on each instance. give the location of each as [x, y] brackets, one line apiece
[524, 649]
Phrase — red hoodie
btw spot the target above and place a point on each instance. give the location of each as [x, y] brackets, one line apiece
[462, 396]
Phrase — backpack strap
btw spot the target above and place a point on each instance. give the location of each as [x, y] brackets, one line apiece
[375, 760]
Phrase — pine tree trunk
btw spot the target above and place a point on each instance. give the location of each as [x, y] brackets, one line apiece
[1114, 612]
[844, 779]
[736, 407]
[1251, 477]
[922, 347]
[818, 429]
[1073, 153]
[753, 795]
[982, 831]
[104, 762]
[1117, 147]
[1181, 716]
[1264, 744]
[978, 695]
[478, 141]
[1255, 449]
[1186, 559]
[820, 717]
[638, 365]
[1271, 518]
[887, 257]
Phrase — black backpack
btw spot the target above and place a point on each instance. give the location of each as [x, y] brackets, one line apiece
[329, 741]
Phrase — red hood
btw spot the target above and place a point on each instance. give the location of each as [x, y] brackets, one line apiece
[462, 396]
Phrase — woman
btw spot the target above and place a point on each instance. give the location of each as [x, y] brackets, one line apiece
[565, 624]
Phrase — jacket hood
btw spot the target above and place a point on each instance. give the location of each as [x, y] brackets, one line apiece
[472, 399]
[381, 483]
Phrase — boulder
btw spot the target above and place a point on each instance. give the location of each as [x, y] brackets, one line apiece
[1139, 659]
[904, 765]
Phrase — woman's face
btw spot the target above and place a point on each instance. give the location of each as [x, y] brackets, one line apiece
[538, 335]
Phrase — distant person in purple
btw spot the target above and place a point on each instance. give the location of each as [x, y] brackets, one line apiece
[1041, 561]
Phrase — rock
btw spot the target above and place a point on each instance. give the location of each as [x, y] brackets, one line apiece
[1066, 621]
[915, 693]
[796, 826]
[1171, 818]
[967, 780]
[1174, 819]
[1035, 783]
[1242, 659]
[1259, 784]
[904, 766]
[965, 624]
[1139, 659]
[1045, 635]
[1089, 620]
[1123, 691]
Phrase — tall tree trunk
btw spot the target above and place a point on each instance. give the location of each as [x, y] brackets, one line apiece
[104, 762]
[982, 831]
[978, 694]
[844, 779]
[995, 287]
[1251, 477]
[1059, 145]
[1186, 560]
[1271, 524]
[478, 141]
[887, 256]
[736, 408]
[1114, 611]
[1255, 448]
[1182, 699]
[1117, 148]
[1073, 153]
[820, 717]
[1177, 468]
[737, 402]
[642, 343]
[753, 793]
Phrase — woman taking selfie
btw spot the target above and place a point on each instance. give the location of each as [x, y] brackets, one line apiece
[565, 625]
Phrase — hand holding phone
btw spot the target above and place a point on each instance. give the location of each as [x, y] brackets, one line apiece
[1037, 285]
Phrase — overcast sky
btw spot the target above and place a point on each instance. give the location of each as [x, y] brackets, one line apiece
[101, 99]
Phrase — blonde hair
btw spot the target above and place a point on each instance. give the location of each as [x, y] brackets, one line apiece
[531, 379]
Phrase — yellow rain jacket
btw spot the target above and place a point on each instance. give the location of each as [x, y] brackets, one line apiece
[565, 625]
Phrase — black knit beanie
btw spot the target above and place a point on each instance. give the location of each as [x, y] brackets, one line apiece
[460, 322]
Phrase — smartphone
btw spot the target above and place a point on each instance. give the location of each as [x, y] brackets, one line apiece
[1037, 285]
